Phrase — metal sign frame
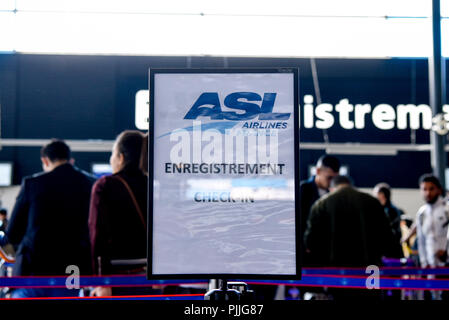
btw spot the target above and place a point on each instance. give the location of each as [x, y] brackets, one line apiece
[151, 151]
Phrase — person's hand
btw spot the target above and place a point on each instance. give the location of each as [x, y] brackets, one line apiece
[101, 292]
[406, 238]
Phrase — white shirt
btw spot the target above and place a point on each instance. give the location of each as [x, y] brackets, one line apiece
[431, 232]
[322, 192]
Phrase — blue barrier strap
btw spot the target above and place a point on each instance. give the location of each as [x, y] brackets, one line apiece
[392, 271]
[134, 281]
[142, 297]
[186, 297]
[360, 282]
[116, 281]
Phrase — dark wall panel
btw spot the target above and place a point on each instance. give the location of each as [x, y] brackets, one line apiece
[93, 97]
[69, 97]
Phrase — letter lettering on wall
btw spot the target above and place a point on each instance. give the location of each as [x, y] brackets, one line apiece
[383, 116]
[324, 115]
[344, 108]
[414, 113]
[361, 110]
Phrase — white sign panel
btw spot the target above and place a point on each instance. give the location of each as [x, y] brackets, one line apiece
[223, 173]
[5, 174]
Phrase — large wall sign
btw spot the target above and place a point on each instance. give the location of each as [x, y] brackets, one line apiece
[344, 114]
[224, 173]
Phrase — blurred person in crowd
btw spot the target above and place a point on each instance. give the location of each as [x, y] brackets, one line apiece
[327, 167]
[431, 223]
[409, 243]
[382, 191]
[410, 251]
[118, 208]
[432, 226]
[3, 219]
[411, 232]
[48, 225]
[348, 228]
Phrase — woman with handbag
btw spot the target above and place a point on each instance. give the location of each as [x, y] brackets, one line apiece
[117, 219]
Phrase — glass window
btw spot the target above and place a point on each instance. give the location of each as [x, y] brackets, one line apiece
[284, 28]
[7, 5]
[7, 35]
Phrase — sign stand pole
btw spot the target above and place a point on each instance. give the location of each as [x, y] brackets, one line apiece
[223, 293]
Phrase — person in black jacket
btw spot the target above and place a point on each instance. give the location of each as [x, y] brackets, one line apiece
[311, 190]
[327, 167]
[348, 228]
[49, 222]
[383, 193]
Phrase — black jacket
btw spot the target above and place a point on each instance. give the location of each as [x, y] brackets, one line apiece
[308, 195]
[394, 216]
[348, 228]
[49, 223]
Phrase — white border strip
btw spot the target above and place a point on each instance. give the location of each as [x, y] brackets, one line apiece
[332, 148]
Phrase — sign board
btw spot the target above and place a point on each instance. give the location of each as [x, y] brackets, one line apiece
[344, 115]
[224, 174]
[6, 174]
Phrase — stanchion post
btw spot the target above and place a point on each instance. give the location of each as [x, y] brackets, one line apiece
[223, 293]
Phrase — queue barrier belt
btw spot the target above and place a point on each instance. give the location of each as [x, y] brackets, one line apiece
[383, 271]
[390, 278]
[128, 297]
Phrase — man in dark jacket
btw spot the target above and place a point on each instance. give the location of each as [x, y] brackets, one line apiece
[327, 167]
[348, 228]
[49, 222]
[383, 193]
[311, 190]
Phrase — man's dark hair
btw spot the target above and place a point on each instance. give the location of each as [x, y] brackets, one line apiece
[329, 162]
[56, 150]
[3, 212]
[408, 221]
[428, 177]
[339, 180]
[385, 189]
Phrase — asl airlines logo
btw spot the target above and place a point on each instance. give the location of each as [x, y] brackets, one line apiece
[244, 106]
